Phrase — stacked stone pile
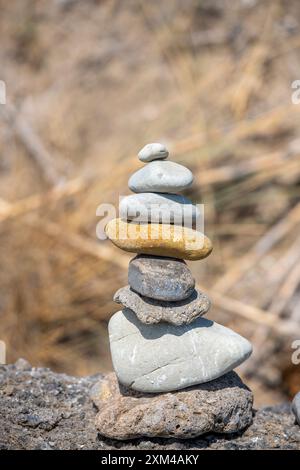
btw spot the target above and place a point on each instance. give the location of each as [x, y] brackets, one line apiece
[159, 342]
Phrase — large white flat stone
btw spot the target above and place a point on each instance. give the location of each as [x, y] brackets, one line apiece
[163, 357]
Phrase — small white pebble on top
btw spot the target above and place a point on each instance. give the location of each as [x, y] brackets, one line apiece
[152, 152]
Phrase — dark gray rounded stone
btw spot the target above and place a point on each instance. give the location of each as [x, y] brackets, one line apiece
[151, 311]
[160, 278]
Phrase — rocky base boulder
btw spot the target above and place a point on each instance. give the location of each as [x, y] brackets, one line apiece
[44, 410]
[223, 406]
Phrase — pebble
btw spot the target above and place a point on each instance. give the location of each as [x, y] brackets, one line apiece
[159, 239]
[22, 364]
[160, 278]
[162, 357]
[150, 311]
[296, 407]
[161, 177]
[153, 152]
[223, 406]
[158, 207]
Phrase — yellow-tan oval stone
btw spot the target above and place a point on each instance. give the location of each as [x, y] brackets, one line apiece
[159, 239]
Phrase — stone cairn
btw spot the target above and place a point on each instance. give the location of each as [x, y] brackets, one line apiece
[173, 369]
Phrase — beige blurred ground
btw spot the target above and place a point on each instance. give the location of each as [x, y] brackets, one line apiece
[88, 84]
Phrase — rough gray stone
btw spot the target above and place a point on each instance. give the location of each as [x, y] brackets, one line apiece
[161, 177]
[223, 406]
[150, 311]
[153, 151]
[161, 358]
[296, 407]
[41, 391]
[41, 409]
[161, 278]
[159, 208]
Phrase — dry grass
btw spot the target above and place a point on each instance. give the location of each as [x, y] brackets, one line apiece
[89, 83]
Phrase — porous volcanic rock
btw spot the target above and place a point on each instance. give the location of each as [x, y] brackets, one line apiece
[223, 406]
[151, 311]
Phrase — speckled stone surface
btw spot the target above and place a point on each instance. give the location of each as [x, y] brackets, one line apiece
[41, 409]
[161, 358]
[161, 278]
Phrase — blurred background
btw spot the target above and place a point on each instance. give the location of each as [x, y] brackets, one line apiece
[88, 83]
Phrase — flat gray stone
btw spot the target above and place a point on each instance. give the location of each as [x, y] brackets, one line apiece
[161, 278]
[153, 151]
[161, 177]
[150, 311]
[159, 208]
[163, 358]
[223, 406]
[296, 407]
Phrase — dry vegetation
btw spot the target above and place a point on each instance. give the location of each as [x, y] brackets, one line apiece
[88, 83]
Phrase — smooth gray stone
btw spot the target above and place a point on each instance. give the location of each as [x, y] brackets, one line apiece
[159, 208]
[162, 358]
[150, 311]
[160, 278]
[296, 407]
[153, 151]
[161, 177]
